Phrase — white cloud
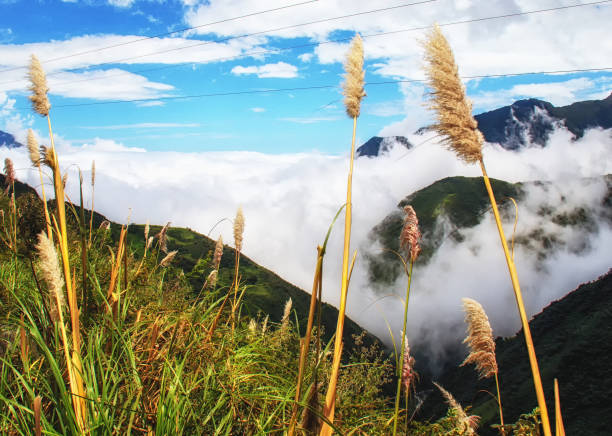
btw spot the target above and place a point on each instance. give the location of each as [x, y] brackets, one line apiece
[295, 196]
[281, 70]
[258, 109]
[306, 57]
[121, 3]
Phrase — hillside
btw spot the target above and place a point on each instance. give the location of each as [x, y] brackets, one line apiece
[573, 342]
[266, 292]
[460, 201]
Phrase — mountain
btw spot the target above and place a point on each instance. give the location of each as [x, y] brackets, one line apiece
[449, 207]
[266, 292]
[377, 145]
[458, 201]
[8, 140]
[533, 120]
[573, 342]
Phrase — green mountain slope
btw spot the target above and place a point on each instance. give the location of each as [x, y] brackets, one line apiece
[573, 343]
[460, 201]
[266, 292]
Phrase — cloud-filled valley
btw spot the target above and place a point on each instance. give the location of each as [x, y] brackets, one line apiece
[289, 201]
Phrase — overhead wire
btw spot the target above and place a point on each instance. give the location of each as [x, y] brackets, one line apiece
[229, 38]
[334, 41]
[316, 87]
[145, 38]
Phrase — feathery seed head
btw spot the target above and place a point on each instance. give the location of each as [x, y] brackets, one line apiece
[105, 225]
[467, 424]
[410, 236]
[146, 231]
[38, 86]
[238, 229]
[47, 156]
[211, 280]
[479, 339]
[150, 241]
[166, 260]
[252, 326]
[65, 179]
[353, 85]
[453, 109]
[9, 172]
[33, 149]
[218, 253]
[93, 172]
[163, 238]
[264, 326]
[50, 268]
[408, 373]
[285, 318]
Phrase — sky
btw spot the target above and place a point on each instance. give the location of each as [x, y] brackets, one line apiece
[274, 139]
[159, 52]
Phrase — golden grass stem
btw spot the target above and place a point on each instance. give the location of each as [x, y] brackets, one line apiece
[537, 380]
[559, 427]
[402, 356]
[37, 406]
[306, 341]
[44, 200]
[501, 413]
[330, 398]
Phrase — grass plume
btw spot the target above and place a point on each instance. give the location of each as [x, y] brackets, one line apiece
[39, 88]
[453, 109]
[353, 91]
[459, 130]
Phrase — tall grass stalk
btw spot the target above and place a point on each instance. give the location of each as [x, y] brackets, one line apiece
[41, 105]
[559, 427]
[305, 344]
[459, 129]
[93, 183]
[353, 92]
[410, 241]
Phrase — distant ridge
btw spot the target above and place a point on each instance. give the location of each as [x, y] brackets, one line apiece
[8, 140]
[532, 121]
[378, 145]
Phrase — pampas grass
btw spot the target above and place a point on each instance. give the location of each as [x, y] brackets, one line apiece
[218, 253]
[38, 86]
[353, 92]
[410, 238]
[51, 273]
[482, 346]
[466, 424]
[41, 105]
[168, 258]
[353, 86]
[34, 151]
[459, 131]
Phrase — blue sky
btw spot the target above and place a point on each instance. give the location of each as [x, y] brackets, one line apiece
[157, 70]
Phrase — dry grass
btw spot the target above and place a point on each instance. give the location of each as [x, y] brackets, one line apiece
[39, 88]
[455, 123]
[479, 339]
[353, 85]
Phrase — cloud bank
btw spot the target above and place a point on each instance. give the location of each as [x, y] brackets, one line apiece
[289, 201]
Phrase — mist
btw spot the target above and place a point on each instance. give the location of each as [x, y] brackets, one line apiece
[289, 200]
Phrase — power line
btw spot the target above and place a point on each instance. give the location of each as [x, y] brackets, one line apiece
[167, 33]
[306, 88]
[392, 32]
[217, 41]
[276, 50]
